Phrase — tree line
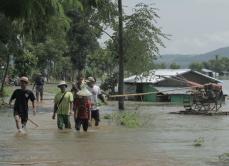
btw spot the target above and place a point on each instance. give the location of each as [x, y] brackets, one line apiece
[219, 64]
[60, 38]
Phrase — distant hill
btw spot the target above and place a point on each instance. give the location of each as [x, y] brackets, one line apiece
[185, 60]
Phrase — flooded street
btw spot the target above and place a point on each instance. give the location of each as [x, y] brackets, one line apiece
[165, 140]
[107, 145]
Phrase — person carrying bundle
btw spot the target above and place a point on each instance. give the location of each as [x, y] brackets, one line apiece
[81, 109]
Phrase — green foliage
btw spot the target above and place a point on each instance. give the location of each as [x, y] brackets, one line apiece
[109, 83]
[5, 30]
[81, 39]
[32, 16]
[127, 119]
[160, 66]
[196, 66]
[142, 39]
[174, 66]
[56, 37]
[24, 63]
[50, 50]
[101, 60]
[8, 90]
[218, 65]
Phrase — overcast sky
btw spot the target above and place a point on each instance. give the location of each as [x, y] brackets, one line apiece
[196, 26]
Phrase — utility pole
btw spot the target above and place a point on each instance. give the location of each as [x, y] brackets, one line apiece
[121, 57]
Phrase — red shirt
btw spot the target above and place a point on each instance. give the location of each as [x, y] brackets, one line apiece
[82, 107]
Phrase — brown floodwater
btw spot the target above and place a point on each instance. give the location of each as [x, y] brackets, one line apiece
[164, 140]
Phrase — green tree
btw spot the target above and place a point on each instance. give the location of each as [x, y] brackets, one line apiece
[86, 27]
[174, 66]
[142, 38]
[196, 66]
[24, 63]
[81, 40]
[9, 45]
[160, 66]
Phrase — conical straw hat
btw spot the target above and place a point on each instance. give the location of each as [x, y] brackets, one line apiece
[84, 92]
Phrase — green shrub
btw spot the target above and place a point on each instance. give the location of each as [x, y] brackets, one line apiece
[127, 119]
[107, 116]
[8, 90]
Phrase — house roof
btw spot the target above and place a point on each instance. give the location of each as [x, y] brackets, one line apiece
[219, 81]
[158, 75]
[155, 76]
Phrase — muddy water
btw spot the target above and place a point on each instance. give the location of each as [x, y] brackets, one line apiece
[107, 145]
[165, 140]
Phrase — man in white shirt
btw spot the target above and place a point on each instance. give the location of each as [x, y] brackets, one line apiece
[96, 94]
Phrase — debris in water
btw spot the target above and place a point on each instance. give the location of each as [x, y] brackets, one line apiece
[224, 157]
[199, 141]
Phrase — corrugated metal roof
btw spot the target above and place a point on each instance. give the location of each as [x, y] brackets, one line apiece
[155, 76]
[143, 79]
[158, 75]
[170, 72]
[207, 70]
[219, 81]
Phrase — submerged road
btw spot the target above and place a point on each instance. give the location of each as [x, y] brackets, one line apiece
[163, 140]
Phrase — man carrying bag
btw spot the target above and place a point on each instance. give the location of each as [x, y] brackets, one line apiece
[63, 104]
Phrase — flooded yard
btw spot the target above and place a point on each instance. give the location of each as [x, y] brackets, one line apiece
[165, 139]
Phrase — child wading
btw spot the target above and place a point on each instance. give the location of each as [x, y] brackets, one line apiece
[81, 109]
[63, 104]
[21, 97]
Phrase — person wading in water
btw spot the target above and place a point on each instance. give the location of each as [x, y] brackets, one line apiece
[96, 93]
[39, 85]
[21, 97]
[77, 86]
[81, 109]
[63, 104]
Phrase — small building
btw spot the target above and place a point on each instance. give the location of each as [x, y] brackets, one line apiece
[165, 85]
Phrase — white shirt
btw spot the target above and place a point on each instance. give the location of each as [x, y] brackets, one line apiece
[95, 90]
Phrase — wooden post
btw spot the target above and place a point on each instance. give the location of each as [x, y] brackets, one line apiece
[121, 57]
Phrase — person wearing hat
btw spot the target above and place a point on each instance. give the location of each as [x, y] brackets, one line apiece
[22, 96]
[96, 93]
[63, 104]
[77, 86]
[81, 109]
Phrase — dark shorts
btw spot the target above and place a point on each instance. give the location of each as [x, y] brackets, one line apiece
[95, 116]
[40, 88]
[79, 122]
[22, 115]
[63, 121]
